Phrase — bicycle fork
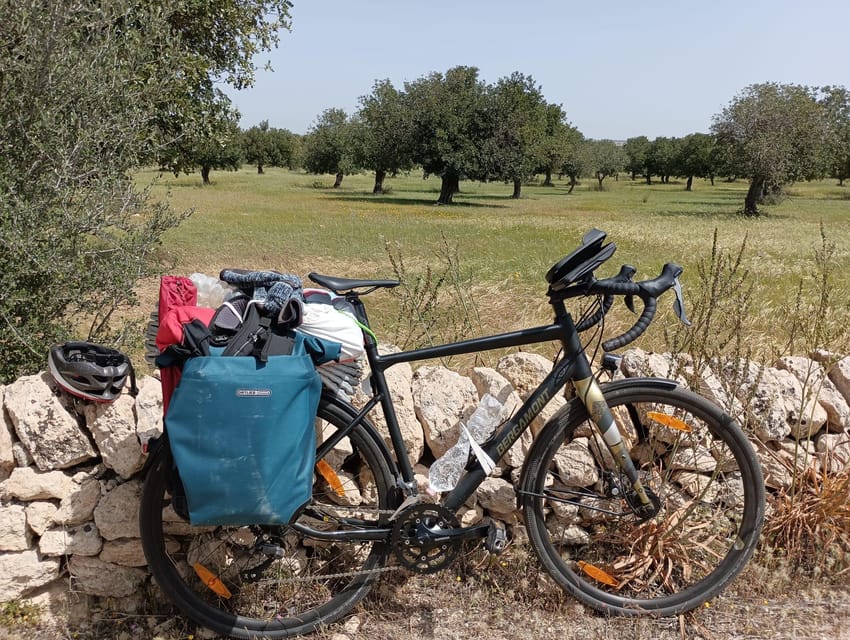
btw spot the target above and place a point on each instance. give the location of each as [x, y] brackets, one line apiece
[589, 392]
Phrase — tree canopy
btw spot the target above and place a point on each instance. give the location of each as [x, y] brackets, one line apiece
[333, 145]
[518, 121]
[774, 134]
[449, 132]
[386, 132]
[76, 232]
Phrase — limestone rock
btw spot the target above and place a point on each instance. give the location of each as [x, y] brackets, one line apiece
[839, 373]
[575, 464]
[78, 506]
[14, 534]
[44, 425]
[40, 516]
[7, 456]
[442, 400]
[127, 552]
[497, 496]
[117, 513]
[113, 426]
[774, 400]
[24, 572]
[488, 380]
[99, 578]
[149, 409]
[639, 363]
[83, 540]
[525, 371]
[817, 384]
[399, 378]
[26, 483]
[834, 449]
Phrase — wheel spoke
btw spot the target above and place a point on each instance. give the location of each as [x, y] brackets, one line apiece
[689, 457]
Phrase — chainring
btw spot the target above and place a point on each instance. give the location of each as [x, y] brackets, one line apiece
[418, 538]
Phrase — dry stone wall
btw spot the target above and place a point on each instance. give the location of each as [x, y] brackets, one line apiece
[70, 480]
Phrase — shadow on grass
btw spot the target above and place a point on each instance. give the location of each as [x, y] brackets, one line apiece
[458, 203]
[715, 204]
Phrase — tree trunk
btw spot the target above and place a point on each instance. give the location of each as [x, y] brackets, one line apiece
[573, 183]
[205, 174]
[711, 177]
[260, 169]
[449, 187]
[648, 178]
[379, 182]
[548, 181]
[600, 176]
[517, 189]
[689, 183]
[754, 195]
[338, 180]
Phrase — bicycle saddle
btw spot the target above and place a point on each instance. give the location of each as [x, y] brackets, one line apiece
[582, 261]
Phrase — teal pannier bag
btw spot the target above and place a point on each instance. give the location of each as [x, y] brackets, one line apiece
[242, 433]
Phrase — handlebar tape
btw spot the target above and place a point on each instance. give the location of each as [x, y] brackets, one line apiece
[638, 328]
[647, 291]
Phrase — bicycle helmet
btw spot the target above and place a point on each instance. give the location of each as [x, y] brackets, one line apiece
[90, 371]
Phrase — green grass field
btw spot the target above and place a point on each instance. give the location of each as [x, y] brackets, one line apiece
[297, 223]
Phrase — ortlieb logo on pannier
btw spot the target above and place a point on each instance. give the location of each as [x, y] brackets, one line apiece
[253, 393]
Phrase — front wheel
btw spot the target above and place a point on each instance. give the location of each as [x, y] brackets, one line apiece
[693, 459]
[264, 581]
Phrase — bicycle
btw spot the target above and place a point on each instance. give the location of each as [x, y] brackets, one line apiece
[671, 517]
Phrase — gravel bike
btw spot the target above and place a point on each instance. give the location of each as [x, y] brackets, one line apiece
[666, 511]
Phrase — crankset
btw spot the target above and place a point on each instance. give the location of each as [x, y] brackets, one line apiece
[425, 538]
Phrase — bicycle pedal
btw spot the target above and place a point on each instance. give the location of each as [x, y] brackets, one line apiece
[497, 537]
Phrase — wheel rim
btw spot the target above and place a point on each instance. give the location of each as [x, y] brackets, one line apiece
[700, 538]
[271, 580]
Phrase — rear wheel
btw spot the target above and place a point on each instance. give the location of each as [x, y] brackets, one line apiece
[691, 456]
[274, 581]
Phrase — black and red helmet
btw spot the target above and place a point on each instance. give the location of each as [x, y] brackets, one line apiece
[89, 371]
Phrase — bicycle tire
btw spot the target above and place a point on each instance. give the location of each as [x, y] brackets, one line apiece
[697, 462]
[271, 582]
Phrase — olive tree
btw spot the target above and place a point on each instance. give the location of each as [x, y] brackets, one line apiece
[450, 127]
[695, 158]
[558, 144]
[267, 146]
[333, 145]
[604, 158]
[386, 132]
[518, 121]
[836, 102]
[775, 134]
[637, 153]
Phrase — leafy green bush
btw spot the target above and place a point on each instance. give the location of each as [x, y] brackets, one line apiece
[78, 109]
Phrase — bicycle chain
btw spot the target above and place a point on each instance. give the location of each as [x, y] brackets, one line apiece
[345, 574]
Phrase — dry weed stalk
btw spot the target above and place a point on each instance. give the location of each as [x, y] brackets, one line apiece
[811, 522]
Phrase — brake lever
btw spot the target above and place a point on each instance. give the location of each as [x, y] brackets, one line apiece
[679, 304]
[626, 274]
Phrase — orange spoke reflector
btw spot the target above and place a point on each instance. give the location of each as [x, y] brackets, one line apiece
[330, 477]
[669, 421]
[598, 574]
[210, 579]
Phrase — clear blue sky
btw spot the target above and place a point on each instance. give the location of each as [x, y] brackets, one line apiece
[619, 69]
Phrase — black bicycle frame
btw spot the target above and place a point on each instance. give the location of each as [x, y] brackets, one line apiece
[574, 366]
